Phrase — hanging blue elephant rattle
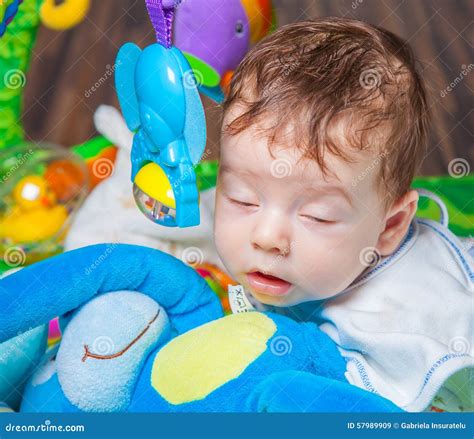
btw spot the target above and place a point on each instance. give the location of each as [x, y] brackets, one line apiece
[160, 102]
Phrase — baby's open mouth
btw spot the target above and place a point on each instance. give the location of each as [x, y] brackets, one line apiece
[268, 284]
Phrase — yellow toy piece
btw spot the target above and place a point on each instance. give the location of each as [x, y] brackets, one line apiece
[36, 216]
[65, 15]
[200, 361]
[32, 192]
[152, 180]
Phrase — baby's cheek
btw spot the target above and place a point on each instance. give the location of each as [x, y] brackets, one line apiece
[354, 252]
[326, 270]
[343, 267]
[230, 237]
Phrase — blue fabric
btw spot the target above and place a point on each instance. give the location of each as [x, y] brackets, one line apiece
[305, 374]
[296, 391]
[18, 358]
[47, 397]
[294, 346]
[40, 292]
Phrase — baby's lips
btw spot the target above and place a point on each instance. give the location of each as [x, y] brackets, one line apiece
[268, 284]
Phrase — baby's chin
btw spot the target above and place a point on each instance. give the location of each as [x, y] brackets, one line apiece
[266, 299]
[293, 297]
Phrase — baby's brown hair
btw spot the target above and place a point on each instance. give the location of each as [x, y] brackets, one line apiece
[312, 73]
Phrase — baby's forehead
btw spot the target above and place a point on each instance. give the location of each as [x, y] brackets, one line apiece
[345, 133]
[266, 145]
[252, 154]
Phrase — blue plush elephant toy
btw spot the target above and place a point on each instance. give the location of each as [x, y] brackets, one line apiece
[142, 332]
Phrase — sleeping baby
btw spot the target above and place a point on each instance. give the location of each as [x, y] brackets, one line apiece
[325, 125]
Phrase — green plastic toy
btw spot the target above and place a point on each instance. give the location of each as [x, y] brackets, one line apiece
[15, 53]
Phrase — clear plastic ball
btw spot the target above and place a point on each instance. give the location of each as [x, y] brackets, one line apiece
[42, 186]
[153, 209]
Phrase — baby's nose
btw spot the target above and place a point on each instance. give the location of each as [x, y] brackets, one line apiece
[271, 235]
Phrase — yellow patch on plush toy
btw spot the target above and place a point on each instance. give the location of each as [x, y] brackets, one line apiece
[200, 361]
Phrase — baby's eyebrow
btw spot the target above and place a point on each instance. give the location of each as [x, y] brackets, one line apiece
[336, 190]
[327, 189]
[224, 168]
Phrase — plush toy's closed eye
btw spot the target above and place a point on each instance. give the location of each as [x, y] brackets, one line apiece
[120, 327]
[98, 356]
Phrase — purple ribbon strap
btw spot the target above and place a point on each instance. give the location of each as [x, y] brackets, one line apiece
[161, 14]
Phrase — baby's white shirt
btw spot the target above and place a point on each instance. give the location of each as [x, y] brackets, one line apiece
[405, 326]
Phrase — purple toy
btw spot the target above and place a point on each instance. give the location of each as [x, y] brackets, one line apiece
[215, 35]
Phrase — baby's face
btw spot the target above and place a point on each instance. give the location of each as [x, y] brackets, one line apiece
[283, 230]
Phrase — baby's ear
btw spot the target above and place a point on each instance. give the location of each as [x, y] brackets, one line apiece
[397, 222]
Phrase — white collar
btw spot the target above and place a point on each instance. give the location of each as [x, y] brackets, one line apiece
[386, 262]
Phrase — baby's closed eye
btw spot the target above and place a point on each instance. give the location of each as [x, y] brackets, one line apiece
[243, 201]
[317, 219]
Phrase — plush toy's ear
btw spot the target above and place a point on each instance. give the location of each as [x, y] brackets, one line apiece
[55, 286]
[125, 64]
[110, 123]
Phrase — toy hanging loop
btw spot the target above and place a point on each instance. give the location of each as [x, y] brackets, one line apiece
[161, 14]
